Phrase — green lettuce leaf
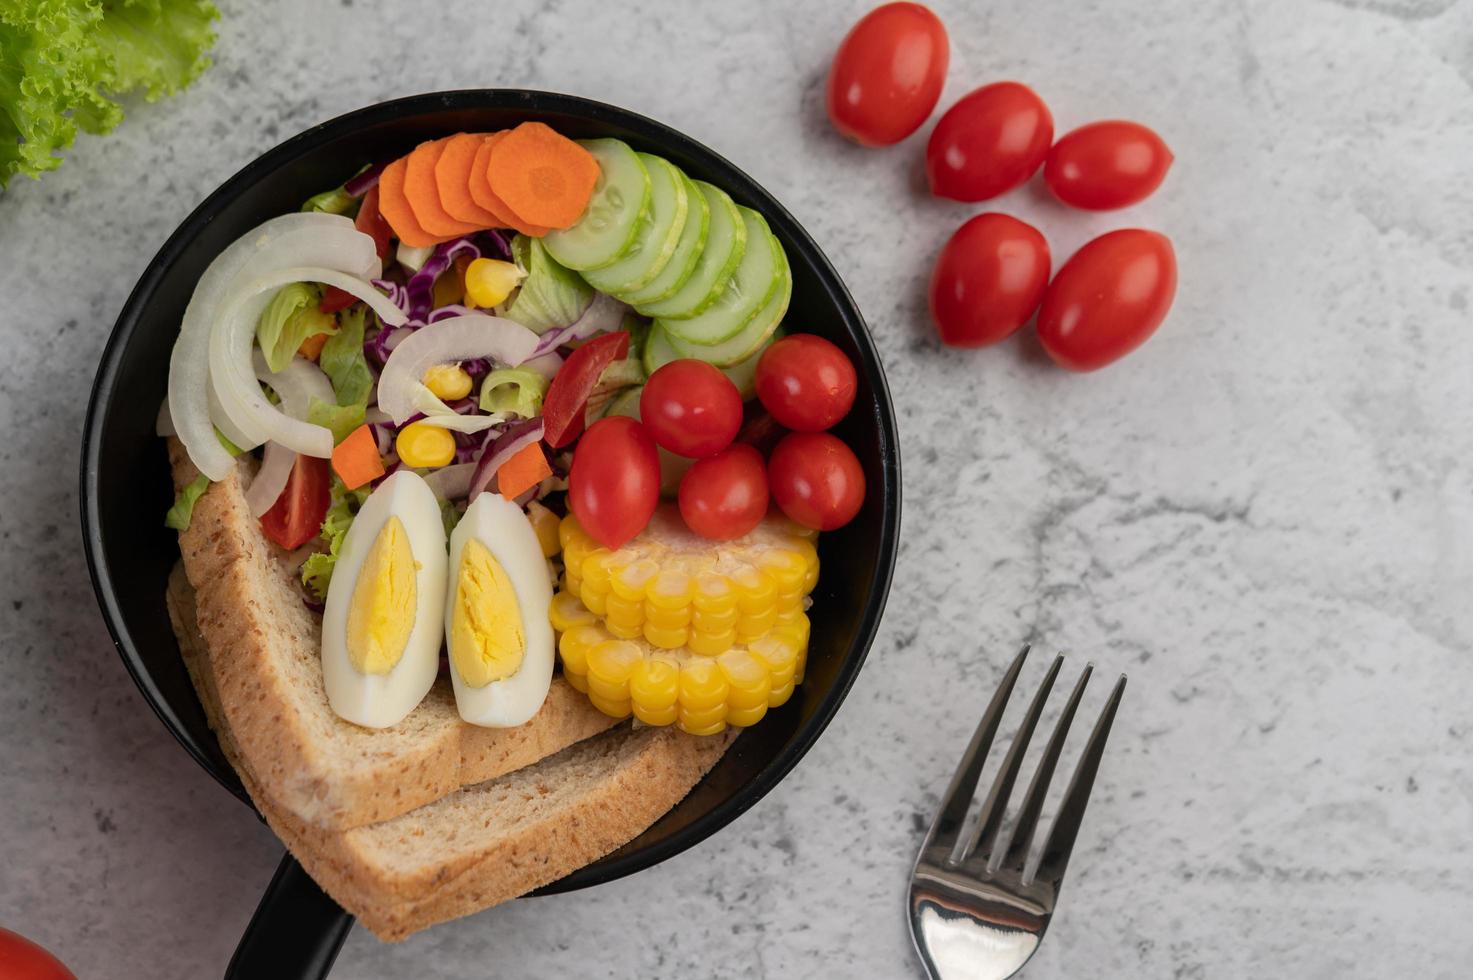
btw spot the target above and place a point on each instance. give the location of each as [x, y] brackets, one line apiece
[550, 296]
[515, 390]
[317, 569]
[341, 419]
[182, 512]
[157, 45]
[343, 361]
[290, 318]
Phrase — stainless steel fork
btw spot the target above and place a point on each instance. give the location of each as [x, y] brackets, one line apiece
[977, 909]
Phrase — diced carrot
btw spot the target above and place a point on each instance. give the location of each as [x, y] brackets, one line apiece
[396, 210]
[483, 195]
[523, 471]
[311, 348]
[542, 176]
[424, 197]
[453, 178]
[356, 458]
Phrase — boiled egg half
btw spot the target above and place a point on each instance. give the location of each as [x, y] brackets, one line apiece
[381, 628]
[496, 626]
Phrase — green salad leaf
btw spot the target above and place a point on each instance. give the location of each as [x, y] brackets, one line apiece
[343, 361]
[550, 296]
[182, 512]
[335, 201]
[341, 419]
[63, 62]
[290, 318]
[317, 569]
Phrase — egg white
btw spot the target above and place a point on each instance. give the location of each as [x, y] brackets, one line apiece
[382, 700]
[505, 531]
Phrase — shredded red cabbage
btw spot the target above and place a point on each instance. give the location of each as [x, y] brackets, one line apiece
[358, 185]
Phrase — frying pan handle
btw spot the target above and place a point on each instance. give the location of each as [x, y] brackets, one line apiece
[296, 931]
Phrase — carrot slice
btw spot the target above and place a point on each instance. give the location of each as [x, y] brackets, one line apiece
[453, 178]
[527, 468]
[424, 197]
[483, 195]
[543, 176]
[356, 458]
[396, 211]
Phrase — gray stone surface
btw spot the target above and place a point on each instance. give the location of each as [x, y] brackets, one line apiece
[1263, 516]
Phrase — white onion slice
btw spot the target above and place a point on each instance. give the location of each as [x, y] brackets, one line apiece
[189, 367]
[297, 383]
[270, 479]
[451, 482]
[545, 364]
[226, 424]
[461, 338]
[233, 340]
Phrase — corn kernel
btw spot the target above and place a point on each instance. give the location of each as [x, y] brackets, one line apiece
[488, 282]
[574, 645]
[578, 682]
[593, 600]
[780, 695]
[609, 667]
[566, 612]
[545, 523]
[748, 677]
[448, 382]
[713, 622]
[666, 639]
[622, 611]
[710, 644]
[595, 572]
[656, 716]
[702, 686]
[755, 590]
[752, 627]
[714, 729]
[670, 590]
[746, 717]
[569, 530]
[422, 445]
[699, 721]
[779, 654]
[633, 579]
[787, 569]
[612, 707]
[714, 594]
[625, 632]
[665, 619]
[655, 684]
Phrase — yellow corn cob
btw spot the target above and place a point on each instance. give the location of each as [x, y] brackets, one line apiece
[674, 589]
[702, 694]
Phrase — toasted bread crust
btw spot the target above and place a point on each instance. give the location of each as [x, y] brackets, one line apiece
[264, 662]
[633, 778]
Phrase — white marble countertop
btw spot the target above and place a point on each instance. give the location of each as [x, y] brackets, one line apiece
[1264, 516]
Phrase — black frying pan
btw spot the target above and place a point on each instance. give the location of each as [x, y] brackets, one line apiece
[297, 930]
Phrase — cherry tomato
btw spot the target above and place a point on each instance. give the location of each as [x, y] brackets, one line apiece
[887, 74]
[297, 515]
[991, 141]
[816, 480]
[988, 281]
[334, 299]
[691, 409]
[562, 408]
[1107, 165]
[806, 382]
[725, 496]
[21, 959]
[614, 484]
[370, 221]
[1108, 299]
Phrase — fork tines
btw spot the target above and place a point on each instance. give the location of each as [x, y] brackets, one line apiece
[985, 847]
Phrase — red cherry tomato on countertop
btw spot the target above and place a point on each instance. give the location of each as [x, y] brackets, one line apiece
[297, 515]
[1108, 299]
[991, 141]
[691, 408]
[614, 483]
[562, 408]
[806, 382]
[887, 74]
[725, 496]
[816, 480]
[1106, 165]
[988, 281]
[21, 959]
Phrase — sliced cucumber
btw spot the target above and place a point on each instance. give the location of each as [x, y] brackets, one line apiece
[658, 234]
[607, 229]
[687, 251]
[726, 243]
[672, 467]
[738, 348]
[658, 351]
[746, 292]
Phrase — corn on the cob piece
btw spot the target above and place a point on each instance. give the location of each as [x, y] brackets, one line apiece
[674, 589]
[701, 694]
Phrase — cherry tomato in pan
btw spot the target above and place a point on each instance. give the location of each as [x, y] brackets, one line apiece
[1107, 165]
[691, 408]
[816, 480]
[991, 141]
[297, 515]
[1108, 299]
[724, 496]
[567, 396]
[806, 383]
[988, 281]
[21, 959]
[887, 74]
[614, 483]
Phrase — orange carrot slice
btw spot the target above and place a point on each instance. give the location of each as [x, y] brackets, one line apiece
[453, 178]
[483, 195]
[527, 468]
[356, 458]
[544, 177]
[396, 211]
[424, 197]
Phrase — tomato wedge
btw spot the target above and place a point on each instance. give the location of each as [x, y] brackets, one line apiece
[371, 222]
[297, 515]
[562, 409]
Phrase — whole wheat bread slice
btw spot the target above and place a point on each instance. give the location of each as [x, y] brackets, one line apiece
[483, 844]
[265, 664]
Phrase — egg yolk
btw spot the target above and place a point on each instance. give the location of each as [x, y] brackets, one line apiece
[486, 637]
[382, 610]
